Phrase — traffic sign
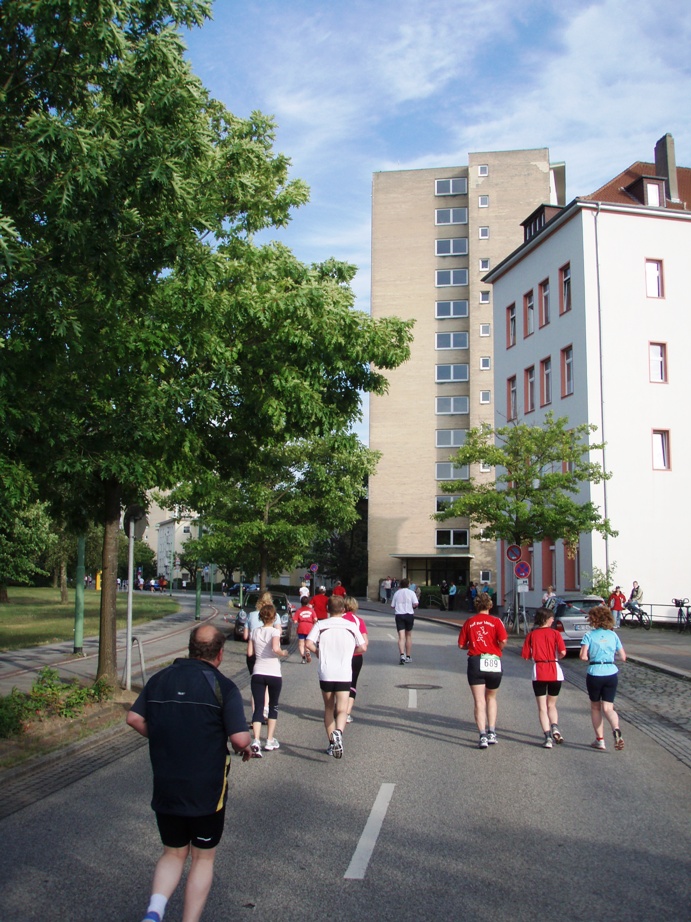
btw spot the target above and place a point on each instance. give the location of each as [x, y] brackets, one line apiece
[314, 567]
[513, 552]
[522, 585]
[522, 569]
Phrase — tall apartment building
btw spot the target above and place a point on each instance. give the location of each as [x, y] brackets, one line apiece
[435, 234]
[592, 319]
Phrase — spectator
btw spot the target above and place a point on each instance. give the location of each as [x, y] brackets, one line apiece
[617, 603]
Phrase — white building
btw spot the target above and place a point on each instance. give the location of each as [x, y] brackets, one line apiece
[592, 318]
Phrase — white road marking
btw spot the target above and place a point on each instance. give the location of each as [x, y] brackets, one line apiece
[368, 839]
[391, 636]
[412, 697]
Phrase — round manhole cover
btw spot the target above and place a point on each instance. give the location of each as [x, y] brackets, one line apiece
[420, 687]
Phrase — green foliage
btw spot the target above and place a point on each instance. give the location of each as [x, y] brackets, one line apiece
[600, 582]
[49, 697]
[24, 527]
[540, 471]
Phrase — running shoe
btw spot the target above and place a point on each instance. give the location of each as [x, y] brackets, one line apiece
[547, 743]
[151, 916]
[409, 659]
[556, 735]
[598, 744]
[271, 744]
[618, 740]
[330, 749]
[349, 719]
[484, 742]
[402, 663]
[491, 737]
[256, 749]
[337, 744]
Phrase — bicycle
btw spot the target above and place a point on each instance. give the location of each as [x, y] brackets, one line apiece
[633, 613]
[509, 620]
[683, 620]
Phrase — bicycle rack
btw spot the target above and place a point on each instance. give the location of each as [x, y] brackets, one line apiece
[142, 667]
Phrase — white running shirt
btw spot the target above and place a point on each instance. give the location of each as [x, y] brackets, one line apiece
[337, 640]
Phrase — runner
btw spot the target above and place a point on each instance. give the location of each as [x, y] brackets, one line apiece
[404, 603]
[599, 648]
[318, 602]
[484, 636]
[265, 645]
[545, 647]
[305, 617]
[352, 615]
[336, 640]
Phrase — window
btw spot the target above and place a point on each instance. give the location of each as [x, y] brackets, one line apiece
[511, 401]
[451, 246]
[661, 450]
[446, 470]
[484, 297]
[451, 216]
[484, 265]
[450, 186]
[485, 397]
[483, 233]
[443, 502]
[654, 287]
[446, 277]
[446, 373]
[483, 201]
[657, 353]
[565, 289]
[483, 170]
[451, 341]
[486, 575]
[485, 329]
[452, 406]
[510, 326]
[544, 303]
[529, 389]
[653, 195]
[485, 362]
[545, 382]
[452, 537]
[186, 530]
[528, 314]
[567, 371]
[485, 468]
[448, 310]
[450, 438]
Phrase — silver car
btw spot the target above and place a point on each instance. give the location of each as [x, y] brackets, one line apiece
[571, 617]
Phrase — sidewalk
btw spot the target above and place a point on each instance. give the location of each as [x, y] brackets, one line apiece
[661, 648]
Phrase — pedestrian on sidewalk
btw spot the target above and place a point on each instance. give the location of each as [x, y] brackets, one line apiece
[444, 591]
[265, 646]
[453, 590]
[189, 711]
[617, 603]
[404, 603]
[351, 609]
[599, 648]
[483, 635]
[335, 640]
[545, 647]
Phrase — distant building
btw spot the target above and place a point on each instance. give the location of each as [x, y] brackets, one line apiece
[592, 321]
[435, 235]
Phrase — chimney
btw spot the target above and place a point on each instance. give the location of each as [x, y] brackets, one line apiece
[666, 165]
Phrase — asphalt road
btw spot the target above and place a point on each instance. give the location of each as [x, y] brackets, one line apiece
[413, 823]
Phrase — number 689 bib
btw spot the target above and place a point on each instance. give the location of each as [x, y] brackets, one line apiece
[489, 663]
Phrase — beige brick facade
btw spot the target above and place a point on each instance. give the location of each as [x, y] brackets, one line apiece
[411, 423]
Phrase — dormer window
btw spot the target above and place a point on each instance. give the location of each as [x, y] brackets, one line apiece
[654, 194]
[648, 190]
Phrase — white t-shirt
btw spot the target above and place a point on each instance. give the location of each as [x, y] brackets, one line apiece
[404, 602]
[267, 663]
[337, 640]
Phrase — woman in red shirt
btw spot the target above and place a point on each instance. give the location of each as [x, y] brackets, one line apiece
[484, 636]
[545, 647]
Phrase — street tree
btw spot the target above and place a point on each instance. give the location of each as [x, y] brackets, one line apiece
[139, 321]
[539, 474]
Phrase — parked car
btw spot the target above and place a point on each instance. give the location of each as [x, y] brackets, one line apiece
[571, 617]
[284, 610]
[246, 587]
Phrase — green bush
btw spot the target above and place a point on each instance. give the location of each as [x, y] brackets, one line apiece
[49, 697]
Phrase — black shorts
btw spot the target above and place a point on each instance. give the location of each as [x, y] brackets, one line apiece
[602, 687]
[546, 688]
[405, 622]
[334, 686]
[491, 680]
[200, 831]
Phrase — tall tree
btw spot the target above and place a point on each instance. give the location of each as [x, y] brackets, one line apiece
[540, 471]
[137, 315]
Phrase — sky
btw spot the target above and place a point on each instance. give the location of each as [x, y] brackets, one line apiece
[359, 86]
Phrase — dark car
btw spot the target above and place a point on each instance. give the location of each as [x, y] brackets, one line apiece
[246, 587]
[571, 617]
[284, 610]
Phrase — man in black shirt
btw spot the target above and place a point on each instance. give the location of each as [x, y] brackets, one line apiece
[188, 711]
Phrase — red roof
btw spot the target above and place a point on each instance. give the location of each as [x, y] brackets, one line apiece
[616, 190]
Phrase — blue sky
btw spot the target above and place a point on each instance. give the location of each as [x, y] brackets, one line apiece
[358, 86]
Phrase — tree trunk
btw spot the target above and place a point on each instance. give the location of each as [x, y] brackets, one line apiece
[64, 598]
[3, 595]
[107, 650]
[54, 579]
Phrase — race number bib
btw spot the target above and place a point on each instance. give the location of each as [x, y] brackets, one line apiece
[489, 663]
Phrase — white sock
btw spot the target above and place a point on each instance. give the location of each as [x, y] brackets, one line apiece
[158, 903]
